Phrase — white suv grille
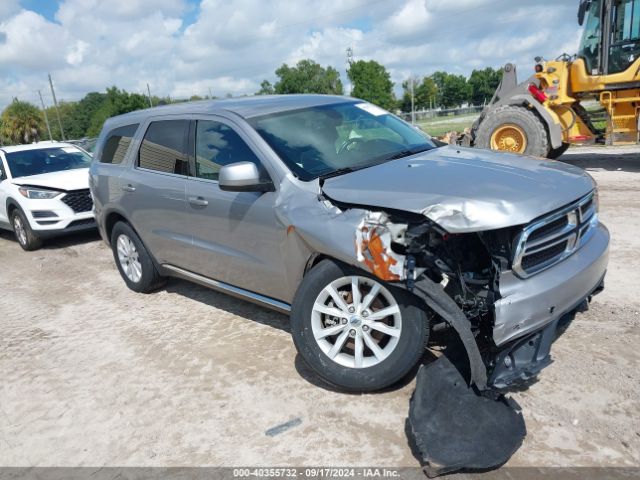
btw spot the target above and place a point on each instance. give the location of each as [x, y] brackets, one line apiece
[553, 238]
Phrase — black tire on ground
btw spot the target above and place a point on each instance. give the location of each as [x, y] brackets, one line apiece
[406, 354]
[150, 278]
[27, 239]
[557, 152]
[529, 123]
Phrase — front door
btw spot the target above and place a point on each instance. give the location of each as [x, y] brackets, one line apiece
[236, 237]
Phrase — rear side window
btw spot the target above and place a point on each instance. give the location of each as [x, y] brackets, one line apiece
[117, 144]
[217, 145]
[164, 147]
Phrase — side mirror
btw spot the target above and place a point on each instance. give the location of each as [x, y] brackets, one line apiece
[242, 177]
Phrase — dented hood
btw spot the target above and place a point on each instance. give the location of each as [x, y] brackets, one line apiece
[66, 180]
[465, 189]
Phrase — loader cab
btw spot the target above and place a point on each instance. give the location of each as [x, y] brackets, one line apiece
[611, 37]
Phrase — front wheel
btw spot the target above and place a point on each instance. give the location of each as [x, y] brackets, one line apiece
[355, 331]
[27, 239]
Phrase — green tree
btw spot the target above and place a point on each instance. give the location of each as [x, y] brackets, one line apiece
[425, 92]
[266, 88]
[116, 102]
[483, 84]
[21, 122]
[371, 82]
[453, 90]
[308, 77]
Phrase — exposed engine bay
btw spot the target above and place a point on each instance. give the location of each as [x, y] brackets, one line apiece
[458, 276]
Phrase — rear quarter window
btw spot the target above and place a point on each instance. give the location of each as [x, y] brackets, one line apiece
[117, 144]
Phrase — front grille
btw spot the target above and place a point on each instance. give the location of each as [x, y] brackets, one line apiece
[79, 200]
[543, 255]
[549, 228]
[551, 239]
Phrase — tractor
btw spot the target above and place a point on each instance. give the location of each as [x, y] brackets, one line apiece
[545, 114]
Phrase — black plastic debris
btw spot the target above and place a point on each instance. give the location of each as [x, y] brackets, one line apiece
[455, 428]
[283, 427]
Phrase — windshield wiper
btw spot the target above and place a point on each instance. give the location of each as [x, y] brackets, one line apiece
[408, 152]
[339, 171]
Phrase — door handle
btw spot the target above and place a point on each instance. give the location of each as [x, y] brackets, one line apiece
[128, 188]
[198, 201]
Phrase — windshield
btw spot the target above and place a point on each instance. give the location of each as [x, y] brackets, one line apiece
[329, 139]
[46, 160]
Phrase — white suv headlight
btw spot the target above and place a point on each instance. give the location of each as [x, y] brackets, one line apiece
[35, 193]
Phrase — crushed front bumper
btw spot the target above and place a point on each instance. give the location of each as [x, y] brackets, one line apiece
[527, 305]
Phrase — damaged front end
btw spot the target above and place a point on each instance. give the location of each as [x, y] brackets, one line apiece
[466, 279]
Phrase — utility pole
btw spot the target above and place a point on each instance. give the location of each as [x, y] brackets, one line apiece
[149, 92]
[413, 112]
[46, 117]
[55, 102]
[349, 62]
[210, 94]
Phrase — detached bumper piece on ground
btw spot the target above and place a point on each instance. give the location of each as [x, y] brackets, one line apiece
[454, 428]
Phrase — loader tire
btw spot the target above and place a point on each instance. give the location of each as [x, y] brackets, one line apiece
[513, 129]
[557, 152]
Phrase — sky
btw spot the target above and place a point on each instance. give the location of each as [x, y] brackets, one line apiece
[191, 47]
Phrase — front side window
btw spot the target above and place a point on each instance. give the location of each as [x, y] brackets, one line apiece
[217, 145]
[46, 160]
[117, 144]
[164, 147]
[331, 139]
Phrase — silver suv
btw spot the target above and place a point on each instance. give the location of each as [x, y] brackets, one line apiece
[365, 230]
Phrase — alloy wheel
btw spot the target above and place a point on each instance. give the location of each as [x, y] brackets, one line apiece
[18, 228]
[129, 258]
[356, 321]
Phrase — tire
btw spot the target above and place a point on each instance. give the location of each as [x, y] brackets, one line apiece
[557, 152]
[527, 122]
[397, 354]
[133, 260]
[25, 236]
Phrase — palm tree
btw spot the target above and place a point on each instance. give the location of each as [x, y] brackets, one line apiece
[21, 122]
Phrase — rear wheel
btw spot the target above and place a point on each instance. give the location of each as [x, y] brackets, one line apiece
[355, 331]
[133, 260]
[513, 129]
[24, 234]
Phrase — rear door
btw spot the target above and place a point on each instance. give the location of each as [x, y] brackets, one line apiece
[154, 190]
[236, 236]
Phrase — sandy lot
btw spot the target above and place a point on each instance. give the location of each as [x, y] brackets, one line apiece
[93, 374]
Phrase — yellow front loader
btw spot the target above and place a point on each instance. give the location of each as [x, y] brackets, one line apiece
[545, 114]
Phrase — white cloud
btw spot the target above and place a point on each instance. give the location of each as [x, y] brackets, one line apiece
[231, 47]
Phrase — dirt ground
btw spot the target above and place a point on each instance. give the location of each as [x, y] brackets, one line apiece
[93, 374]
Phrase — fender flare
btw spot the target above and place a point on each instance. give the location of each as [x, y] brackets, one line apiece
[554, 129]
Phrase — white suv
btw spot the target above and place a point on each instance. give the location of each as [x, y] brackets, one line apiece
[44, 191]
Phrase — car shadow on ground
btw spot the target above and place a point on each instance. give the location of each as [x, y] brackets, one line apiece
[264, 316]
[609, 161]
[223, 301]
[64, 241]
